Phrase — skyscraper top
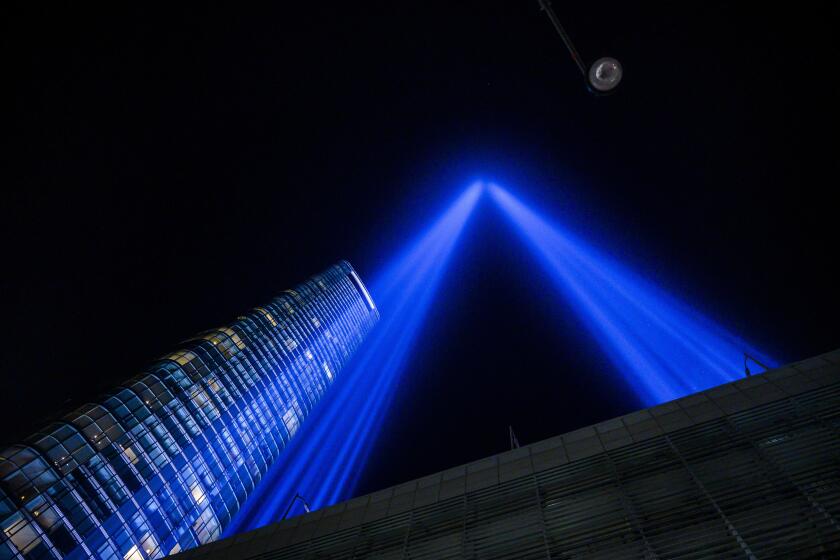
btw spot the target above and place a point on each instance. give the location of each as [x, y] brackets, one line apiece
[162, 462]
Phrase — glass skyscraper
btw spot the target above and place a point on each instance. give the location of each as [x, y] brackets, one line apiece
[161, 463]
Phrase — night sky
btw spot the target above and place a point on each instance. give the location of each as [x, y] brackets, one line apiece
[167, 170]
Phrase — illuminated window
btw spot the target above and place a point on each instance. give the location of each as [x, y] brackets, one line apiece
[290, 344]
[308, 354]
[22, 534]
[243, 431]
[133, 554]
[182, 357]
[45, 515]
[206, 527]
[150, 545]
[234, 337]
[225, 340]
[197, 493]
[203, 402]
[130, 455]
[316, 322]
[268, 316]
[291, 421]
[328, 371]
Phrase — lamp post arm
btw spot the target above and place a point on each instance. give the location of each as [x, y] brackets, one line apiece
[546, 7]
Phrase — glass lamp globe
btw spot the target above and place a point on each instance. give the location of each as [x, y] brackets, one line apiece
[605, 74]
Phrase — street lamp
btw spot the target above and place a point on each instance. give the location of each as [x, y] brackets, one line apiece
[604, 74]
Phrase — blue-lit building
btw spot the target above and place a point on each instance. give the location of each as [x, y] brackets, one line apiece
[161, 463]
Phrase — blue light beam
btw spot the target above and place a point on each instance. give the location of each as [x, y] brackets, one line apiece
[664, 348]
[324, 460]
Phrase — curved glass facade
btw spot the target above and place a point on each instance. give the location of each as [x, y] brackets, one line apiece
[161, 463]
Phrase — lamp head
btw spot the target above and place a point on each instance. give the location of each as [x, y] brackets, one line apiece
[605, 74]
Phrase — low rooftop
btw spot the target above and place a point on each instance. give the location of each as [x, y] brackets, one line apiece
[391, 508]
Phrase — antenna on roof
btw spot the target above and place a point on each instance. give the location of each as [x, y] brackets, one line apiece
[297, 497]
[514, 443]
[747, 357]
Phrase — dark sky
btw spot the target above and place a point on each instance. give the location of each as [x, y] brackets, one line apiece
[167, 169]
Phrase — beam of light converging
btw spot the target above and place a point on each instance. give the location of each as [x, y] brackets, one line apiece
[323, 462]
[664, 348]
